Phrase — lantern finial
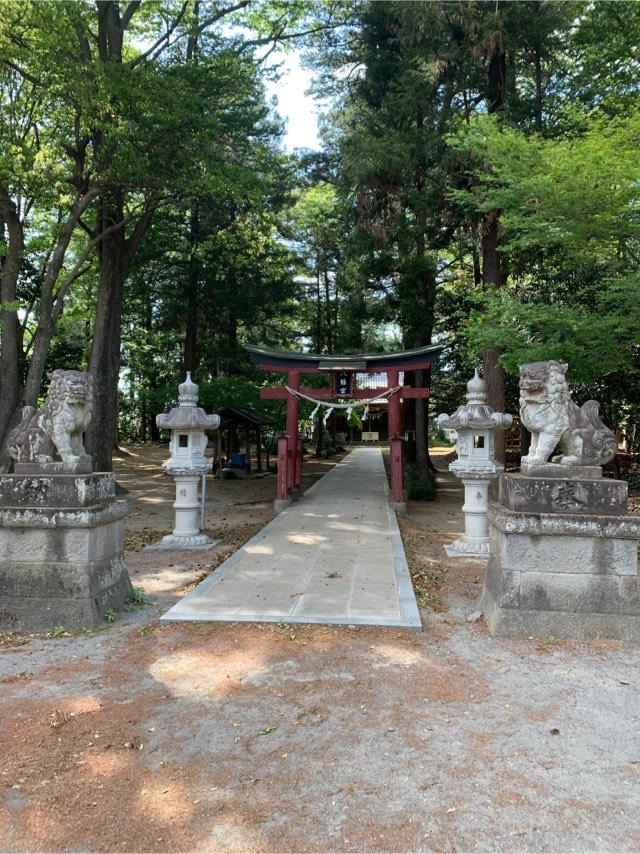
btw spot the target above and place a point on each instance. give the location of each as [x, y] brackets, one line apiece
[188, 392]
[476, 389]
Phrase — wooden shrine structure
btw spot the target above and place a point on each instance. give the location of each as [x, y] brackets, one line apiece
[342, 371]
[237, 420]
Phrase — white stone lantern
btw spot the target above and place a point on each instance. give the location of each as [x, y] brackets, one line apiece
[475, 424]
[187, 465]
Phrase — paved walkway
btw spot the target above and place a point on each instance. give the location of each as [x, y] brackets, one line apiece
[334, 557]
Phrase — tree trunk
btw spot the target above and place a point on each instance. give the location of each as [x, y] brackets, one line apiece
[104, 362]
[409, 420]
[491, 263]
[422, 434]
[143, 411]
[191, 332]
[327, 310]
[492, 278]
[232, 342]
[193, 285]
[9, 327]
[538, 71]
[424, 324]
[319, 436]
[50, 308]
[318, 310]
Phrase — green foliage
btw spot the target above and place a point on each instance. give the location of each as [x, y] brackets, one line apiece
[354, 419]
[183, 132]
[230, 391]
[328, 448]
[135, 601]
[596, 341]
[578, 194]
[419, 487]
[570, 207]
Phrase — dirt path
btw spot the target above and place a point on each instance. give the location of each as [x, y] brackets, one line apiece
[247, 737]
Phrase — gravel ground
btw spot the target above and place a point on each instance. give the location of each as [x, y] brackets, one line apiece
[204, 737]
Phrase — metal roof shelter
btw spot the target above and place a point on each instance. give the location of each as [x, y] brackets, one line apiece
[234, 418]
[243, 415]
[341, 369]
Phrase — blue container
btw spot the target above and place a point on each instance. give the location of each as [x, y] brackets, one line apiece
[238, 460]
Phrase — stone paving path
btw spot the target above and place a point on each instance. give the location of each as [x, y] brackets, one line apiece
[334, 557]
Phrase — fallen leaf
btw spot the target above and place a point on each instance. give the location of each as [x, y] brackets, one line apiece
[267, 729]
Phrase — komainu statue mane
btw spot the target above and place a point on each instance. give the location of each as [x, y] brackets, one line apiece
[547, 411]
[56, 429]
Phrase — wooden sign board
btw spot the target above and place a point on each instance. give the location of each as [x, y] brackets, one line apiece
[344, 383]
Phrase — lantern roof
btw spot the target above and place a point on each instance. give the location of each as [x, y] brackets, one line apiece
[187, 415]
[192, 418]
[476, 414]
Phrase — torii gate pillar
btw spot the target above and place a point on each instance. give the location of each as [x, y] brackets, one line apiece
[294, 445]
[395, 443]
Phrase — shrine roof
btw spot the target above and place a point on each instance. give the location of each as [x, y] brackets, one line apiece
[291, 360]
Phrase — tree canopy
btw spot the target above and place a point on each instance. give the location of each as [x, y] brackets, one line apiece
[477, 185]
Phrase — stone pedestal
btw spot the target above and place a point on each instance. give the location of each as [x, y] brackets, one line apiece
[564, 559]
[475, 542]
[186, 533]
[61, 551]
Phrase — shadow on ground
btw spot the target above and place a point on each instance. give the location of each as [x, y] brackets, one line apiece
[271, 737]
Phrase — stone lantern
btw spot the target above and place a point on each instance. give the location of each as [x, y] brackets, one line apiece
[475, 424]
[187, 465]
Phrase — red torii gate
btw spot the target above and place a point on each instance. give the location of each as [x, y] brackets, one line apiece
[295, 365]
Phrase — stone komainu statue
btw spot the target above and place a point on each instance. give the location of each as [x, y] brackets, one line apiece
[58, 426]
[547, 411]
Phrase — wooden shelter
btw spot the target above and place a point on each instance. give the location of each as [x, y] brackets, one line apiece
[237, 421]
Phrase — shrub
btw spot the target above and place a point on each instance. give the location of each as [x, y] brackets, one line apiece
[419, 488]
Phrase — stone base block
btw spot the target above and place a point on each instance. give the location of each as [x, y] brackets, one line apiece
[41, 614]
[174, 542]
[562, 495]
[57, 490]
[280, 504]
[398, 506]
[61, 567]
[581, 627]
[468, 548]
[40, 469]
[570, 576]
[558, 470]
